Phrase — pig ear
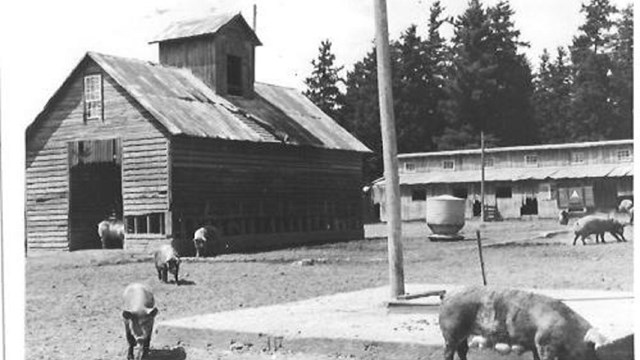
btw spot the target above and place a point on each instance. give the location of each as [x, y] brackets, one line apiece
[153, 312]
[127, 315]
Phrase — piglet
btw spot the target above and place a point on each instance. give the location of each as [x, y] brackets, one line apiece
[166, 261]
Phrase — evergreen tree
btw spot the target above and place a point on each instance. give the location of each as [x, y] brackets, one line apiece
[490, 87]
[322, 85]
[622, 75]
[552, 97]
[592, 107]
[418, 72]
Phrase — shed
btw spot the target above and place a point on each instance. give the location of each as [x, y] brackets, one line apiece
[190, 141]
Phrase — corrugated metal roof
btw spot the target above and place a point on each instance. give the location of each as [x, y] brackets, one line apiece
[208, 25]
[581, 145]
[308, 116]
[183, 104]
[515, 174]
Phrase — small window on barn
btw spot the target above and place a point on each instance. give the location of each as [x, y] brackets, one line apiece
[93, 97]
[531, 160]
[418, 194]
[624, 155]
[409, 167]
[577, 157]
[448, 164]
[234, 75]
[145, 224]
[503, 192]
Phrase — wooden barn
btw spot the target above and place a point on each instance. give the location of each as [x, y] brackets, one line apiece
[192, 140]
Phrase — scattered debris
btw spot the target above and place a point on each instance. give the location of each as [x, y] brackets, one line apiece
[310, 262]
[239, 346]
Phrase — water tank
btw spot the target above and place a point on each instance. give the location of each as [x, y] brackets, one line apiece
[445, 217]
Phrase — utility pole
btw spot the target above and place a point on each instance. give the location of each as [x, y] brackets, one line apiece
[255, 17]
[482, 175]
[389, 151]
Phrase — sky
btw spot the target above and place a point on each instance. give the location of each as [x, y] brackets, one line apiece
[42, 41]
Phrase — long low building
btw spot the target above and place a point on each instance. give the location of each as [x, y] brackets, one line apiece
[520, 181]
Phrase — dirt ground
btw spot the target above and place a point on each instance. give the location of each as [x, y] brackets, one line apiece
[73, 299]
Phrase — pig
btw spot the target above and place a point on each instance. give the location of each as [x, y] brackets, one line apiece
[167, 261]
[111, 233]
[139, 314]
[515, 320]
[626, 206]
[207, 241]
[592, 224]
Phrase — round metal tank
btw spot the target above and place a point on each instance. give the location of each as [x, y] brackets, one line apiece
[445, 217]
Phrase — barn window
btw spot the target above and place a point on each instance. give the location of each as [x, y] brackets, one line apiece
[503, 192]
[234, 75]
[93, 97]
[145, 224]
[448, 164]
[531, 160]
[624, 155]
[418, 194]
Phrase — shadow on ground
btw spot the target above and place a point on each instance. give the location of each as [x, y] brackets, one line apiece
[176, 353]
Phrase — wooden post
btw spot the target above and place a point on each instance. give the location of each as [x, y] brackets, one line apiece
[484, 277]
[389, 150]
[482, 215]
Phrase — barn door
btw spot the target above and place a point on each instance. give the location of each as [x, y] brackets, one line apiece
[95, 189]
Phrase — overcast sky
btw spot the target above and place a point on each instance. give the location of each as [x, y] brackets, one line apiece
[43, 40]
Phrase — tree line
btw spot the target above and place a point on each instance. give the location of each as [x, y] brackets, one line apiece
[446, 91]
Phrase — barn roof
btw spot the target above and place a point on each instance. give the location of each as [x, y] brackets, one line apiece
[184, 105]
[516, 174]
[580, 145]
[209, 25]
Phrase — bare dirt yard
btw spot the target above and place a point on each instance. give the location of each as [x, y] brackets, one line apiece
[73, 299]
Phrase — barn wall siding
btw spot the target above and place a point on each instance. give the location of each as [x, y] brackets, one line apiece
[144, 163]
[248, 189]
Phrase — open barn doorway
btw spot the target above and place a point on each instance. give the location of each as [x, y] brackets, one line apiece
[95, 189]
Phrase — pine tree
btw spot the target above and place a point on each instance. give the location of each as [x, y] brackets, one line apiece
[622, 75]
[322, 85]
[552, 97]
[592, 107]
[491, 84]
[418, 70]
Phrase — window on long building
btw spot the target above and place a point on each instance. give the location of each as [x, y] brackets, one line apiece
[577, 157]
[448, 164]
[624, 155]
[93, 97]
[531, 160]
